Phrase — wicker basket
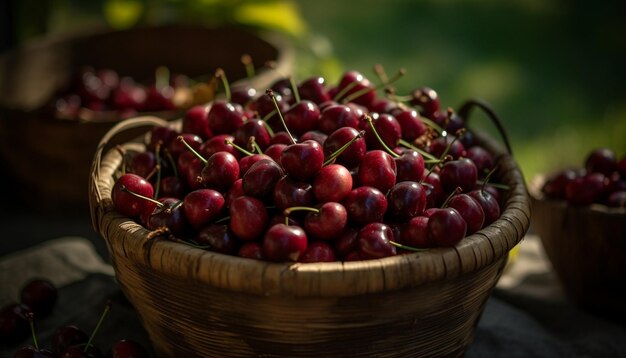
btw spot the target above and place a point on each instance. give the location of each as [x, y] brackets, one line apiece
[34, 145]
[587, 247]
[200, 303]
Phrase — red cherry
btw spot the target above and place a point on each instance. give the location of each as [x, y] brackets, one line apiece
[470, 211]
[253, 128]
[407, 199]
[318, 251]
[482, 159]
[428, 100]
[332, 183]
[377, 169]
[170, 215]
[411, 124]
[218, 238]
[220, 171]
[202, 206]
[251, 250]
[127, 203]
[302, 117]
[40, 295]
[196, 121]
[260, 180]
[601, 160]
[365, 205]
[288, 193]
[248, 217]
[14, 323]
[328, 223]
[352, 155]
[334, 117]
[313, 89]
[67, 336]
[314, 135]
[274, 151]
[284, 243]
[415, 233]
[458, 173]
[388, 129]
[410, 166]
[224, 117]
[586, 190]
[446, 227]
[374, 241]
[219, 143]
[488, 202]
[303, 160]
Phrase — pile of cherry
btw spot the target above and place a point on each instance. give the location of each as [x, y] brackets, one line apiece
[311, 173]
[106, 90]
[601, 181]
[37, 300]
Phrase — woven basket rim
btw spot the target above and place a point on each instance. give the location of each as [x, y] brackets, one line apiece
[124, 236]
[537, 195]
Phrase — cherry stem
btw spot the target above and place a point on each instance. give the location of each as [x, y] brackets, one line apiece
[31, 321]
[155, 170]
[180, 138]
[404, 247]
[433, 125]
[294, 89]
[282, 120]
[488, 177]
[495, 185]
[427, 174]
[230, 142]
[424, 153]
[107, 308]
[371, 124]
[445, 152]
[222, 75]
[288, 211]
[157, 153]
[366, 90]
[380, 72]
[162, 77]
[253, 144]
[246, 59]
[270, 131]
[224, 219]
[156, 202]
[172, 163]
[341, 149]
[345, 90]
[458, 190]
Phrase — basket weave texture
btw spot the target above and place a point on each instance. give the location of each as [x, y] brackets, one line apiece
[200, 303]
[586, 247]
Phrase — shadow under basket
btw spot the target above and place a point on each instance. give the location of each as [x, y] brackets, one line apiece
[199, 303]
[48, 158]
[587, 248]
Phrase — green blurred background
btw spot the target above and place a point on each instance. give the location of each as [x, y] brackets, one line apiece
[553, 69]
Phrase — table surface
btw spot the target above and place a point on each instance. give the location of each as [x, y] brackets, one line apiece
[527, 314]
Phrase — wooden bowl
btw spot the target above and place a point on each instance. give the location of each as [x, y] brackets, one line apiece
[200, 303]
[586, 246]
[49, 158]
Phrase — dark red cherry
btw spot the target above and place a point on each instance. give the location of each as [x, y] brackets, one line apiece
[302, 117]
[260, 180]
[225, 117]
[470, 211]
[248, 217]
[586, 190]
[374, 241]
[202, 206]
[387, 128]
[458, 173]
[328, 223]
[601, 160]
[251, 250]
[434, 190]
[314, 135]
[303, 160]
[334, 117]
[332, 183]
[365, 204]
[346, 242]
[314, 90]
[488, 202]
[40, 295]
[281, 137]
[427, 99]
[220, 171]
[242, 94]
[172, 187]
[446, 227]
[253, 128]
[318, 251]
[163, 135]
[142, 164]
[410, 166]
[439, 146]
[482, 159]
[196, 121]
[556, 184]
[127, 203]
[219, 143]
[218, 238]
[127, 348]
[411, 124]
[377, 169]
[264, 105]
[415, 233]
[170, 215]
[14, 325]
[352, 155]
[177, 147]
[246, 162]
[407, 199]
[284, 243]
[288, 193]
[67, 336]
[32, 352]
[360, 84]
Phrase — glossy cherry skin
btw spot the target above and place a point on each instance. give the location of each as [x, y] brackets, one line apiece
[434, 190]
[177, 147]
[458, 173]
[242, 94]
[414, 233]
[219, 143]
[332, 183]
[303, 160]
[446, 227]
[281, 137]
[67, 336]
[128, 204]
[218, 238]
[127, 348]
[314, 135]
[428, 100]
[142, 164]
[274, 151]
[377, 169]
[248, 217]
[438, 147]
[352, 155]
[264, 105]
[196, 121]
[601, 160]
[302, 117]
[260, 180]
[171, 216]
[284, 243]
[14, 325]
[288, 193]
[220, 171]
[202, 206]
[225, 117]
[407, 199]
[192, 172]
[337, 116]
[172, 187]
[246, 162]
[164, 135]
[328, 223]
[410, 166]
[365, 204]
[40, 295]
[314, 90]
[411, 124]
[387, 128]
[367, 98]
[489, 204]
[470, 211]
[482, 159]
[252, 128]
[374, 241]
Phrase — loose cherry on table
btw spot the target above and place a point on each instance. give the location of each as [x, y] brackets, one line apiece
[40, 295]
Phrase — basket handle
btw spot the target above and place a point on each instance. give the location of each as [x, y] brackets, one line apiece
[95, 197]
[466, 109]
